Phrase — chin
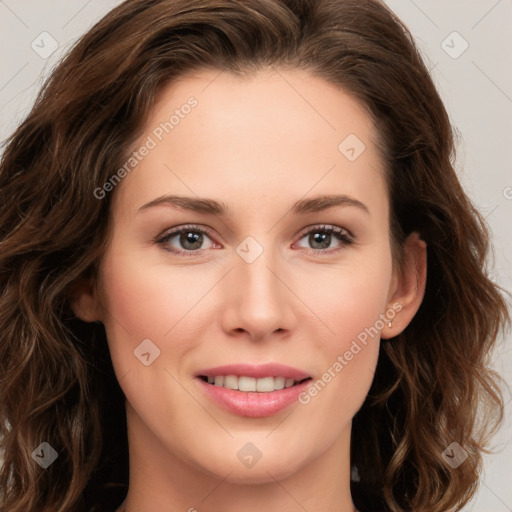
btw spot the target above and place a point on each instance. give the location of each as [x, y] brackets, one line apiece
[273, 465]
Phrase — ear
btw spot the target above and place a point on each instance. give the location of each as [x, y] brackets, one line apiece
[407, 287]
[84, 302]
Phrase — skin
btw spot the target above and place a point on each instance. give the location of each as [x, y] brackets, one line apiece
[258, 144]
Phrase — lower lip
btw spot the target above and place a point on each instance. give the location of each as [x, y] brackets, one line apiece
[253, 404]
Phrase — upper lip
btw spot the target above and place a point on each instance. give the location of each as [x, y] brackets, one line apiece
[256, 371]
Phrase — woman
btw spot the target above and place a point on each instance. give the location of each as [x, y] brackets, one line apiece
[239, 272]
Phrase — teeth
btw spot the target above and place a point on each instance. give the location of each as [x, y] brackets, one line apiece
[265, 385]
[246, 383]
[288, 383]
[279, 382]
[231, 382]
[243, 383]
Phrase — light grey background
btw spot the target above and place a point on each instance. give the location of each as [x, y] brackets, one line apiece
[476, 85]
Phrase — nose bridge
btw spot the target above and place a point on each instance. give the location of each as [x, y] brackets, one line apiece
[260, 301]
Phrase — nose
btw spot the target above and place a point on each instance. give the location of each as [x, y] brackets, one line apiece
[258, 300]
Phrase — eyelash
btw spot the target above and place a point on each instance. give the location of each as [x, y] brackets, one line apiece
[343, 235]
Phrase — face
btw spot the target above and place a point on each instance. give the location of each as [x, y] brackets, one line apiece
[254, 232]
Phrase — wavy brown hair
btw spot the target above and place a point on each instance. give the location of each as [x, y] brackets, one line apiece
[57, 381]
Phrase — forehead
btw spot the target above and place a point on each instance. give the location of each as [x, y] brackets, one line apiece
[214, 133]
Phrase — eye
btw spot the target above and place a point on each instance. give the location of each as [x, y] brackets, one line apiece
[190, 239]
[185, 240]
[320, 238]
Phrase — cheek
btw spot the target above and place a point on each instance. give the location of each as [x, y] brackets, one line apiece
[349, 300]
[139, 302]
[350, 307]
[147, 300]
[131, 300]
[144, 300]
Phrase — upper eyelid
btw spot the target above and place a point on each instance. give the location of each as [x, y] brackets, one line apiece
[191, 227]
[326, 227]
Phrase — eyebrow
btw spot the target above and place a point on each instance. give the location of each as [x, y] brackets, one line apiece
[213, 207]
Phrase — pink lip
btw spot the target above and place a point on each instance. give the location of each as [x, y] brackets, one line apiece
[253, 404]
[258, 372]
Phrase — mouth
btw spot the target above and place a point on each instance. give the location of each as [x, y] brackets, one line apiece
[251, 384]
[253, 391]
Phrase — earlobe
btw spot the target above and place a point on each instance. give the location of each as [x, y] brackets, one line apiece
[83, 301]
[408, 286]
